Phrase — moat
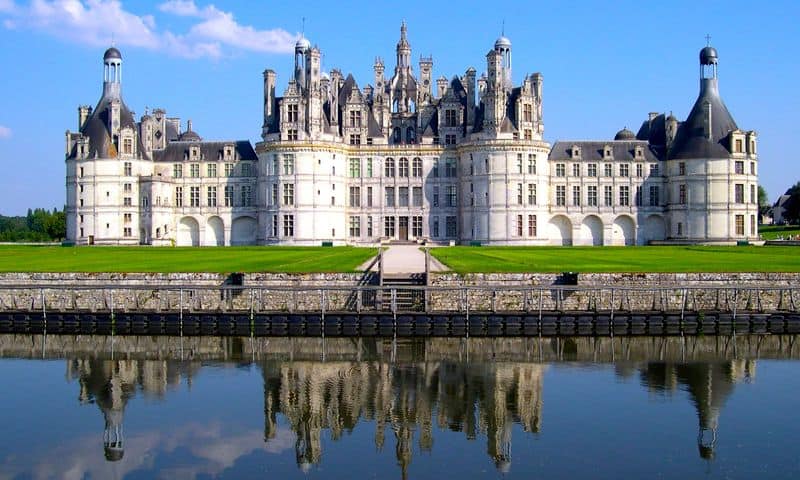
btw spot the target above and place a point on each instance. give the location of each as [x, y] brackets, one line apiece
[83, 406]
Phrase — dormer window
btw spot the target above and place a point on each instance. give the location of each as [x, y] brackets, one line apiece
[194, 152]
[638, 152]
[575, 151]
[608, 152]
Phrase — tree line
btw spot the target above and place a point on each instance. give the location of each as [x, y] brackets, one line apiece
[39, 225]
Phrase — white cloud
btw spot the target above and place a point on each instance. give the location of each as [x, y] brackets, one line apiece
[97, 22]
[5, 132]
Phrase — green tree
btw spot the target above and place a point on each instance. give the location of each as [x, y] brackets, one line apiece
[763, 202]
[792, 206]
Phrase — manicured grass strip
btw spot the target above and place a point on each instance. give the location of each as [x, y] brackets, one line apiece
[773, 232]
[182, 259]
[619, 259]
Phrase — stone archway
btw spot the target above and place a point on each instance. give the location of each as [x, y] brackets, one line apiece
[592, 231]
[654, 228]
[188, 232]
[623, 231]
[243, 231]
[559, 230]
[215, 232]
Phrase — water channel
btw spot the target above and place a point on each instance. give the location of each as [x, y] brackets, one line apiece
[98, 407]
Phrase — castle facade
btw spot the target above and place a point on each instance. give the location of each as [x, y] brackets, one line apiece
[408, 158]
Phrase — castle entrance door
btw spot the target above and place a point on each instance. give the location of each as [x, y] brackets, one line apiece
[403, 229]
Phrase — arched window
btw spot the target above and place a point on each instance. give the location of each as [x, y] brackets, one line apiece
[396, 135]
[410, 137]
[416, 167]
[389, 167]
[403, 168]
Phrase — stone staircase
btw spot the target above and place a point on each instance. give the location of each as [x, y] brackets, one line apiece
[406, 299]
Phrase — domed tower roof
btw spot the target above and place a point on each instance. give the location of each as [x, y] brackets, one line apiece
[302, 44]
[112, 53]
[189, 135]
[708, 56]
[502, 42]
[625, 134]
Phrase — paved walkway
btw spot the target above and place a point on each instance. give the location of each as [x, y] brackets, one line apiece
[406, 259]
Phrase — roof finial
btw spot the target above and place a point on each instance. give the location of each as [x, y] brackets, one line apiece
[303, 31]
[708, 40]
[503, 28]
[113, 43]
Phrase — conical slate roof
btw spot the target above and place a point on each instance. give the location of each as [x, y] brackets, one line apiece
[691, 140]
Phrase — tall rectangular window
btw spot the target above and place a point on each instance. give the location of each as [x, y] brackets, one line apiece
[607, 170]
[682, 194]
[389, 197]
[403, 196]
[274, 225]
[276, 169]
[435, 229]
[653, 169]
[682, 168]
[355, 118]
[739, 167]
[560, 170]
[591, 170]
[608, 196]
[739, 192]
[128, 169]
[228, 196]
[740, 225]
[274, 195]
[451, 227]
[355, 167]
[417, 167]
[177, 170]
[355, 196]
[519, 163]
[531, 225]
[247, 196]
[435, 196]
[388, 167]
[752, 225]
[369, 167]
[520, 225]
[416, 226]
[520, 195]
[624, 170]
[194, 170]
[450, 167]
[753, 193]
[288, 225]
[654, 194]
[288, 193]
[229, 170]
[194, 196]
[452, 199]
[531, 194]
[527, 112]
[591, 195]
[638, 196]
[211, 196]
[369, 196]
[561, 195]
[369, 226]
[531, 164]
[212, 170]
[416, 195]
[178, 196]
[388, 227]
[576, 169]
[625, 195]
[576, 195]
[355, 226]
[639, 170]
[291, 112]
[288, 164]
[450, 118]
[435, 169]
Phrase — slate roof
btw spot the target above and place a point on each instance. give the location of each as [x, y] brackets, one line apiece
[95, 128]
[174, 152]
[592, 150]
[690, 142]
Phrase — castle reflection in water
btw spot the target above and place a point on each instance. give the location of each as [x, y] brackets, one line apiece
[406, 397]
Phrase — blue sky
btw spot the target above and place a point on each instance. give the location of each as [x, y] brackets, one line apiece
[605, 65]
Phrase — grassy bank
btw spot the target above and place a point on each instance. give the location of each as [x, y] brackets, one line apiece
[15, 258]
[619, 259]
[774, 232]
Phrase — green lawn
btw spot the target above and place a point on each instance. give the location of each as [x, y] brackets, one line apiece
[773, 232]
[182, 259]
[619, 259]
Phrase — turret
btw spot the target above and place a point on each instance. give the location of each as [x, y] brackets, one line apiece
[425, 76]
[112, 73]
[403, 48]
[301, 48]
[269, 99]
[83, 113]
[469, 84]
